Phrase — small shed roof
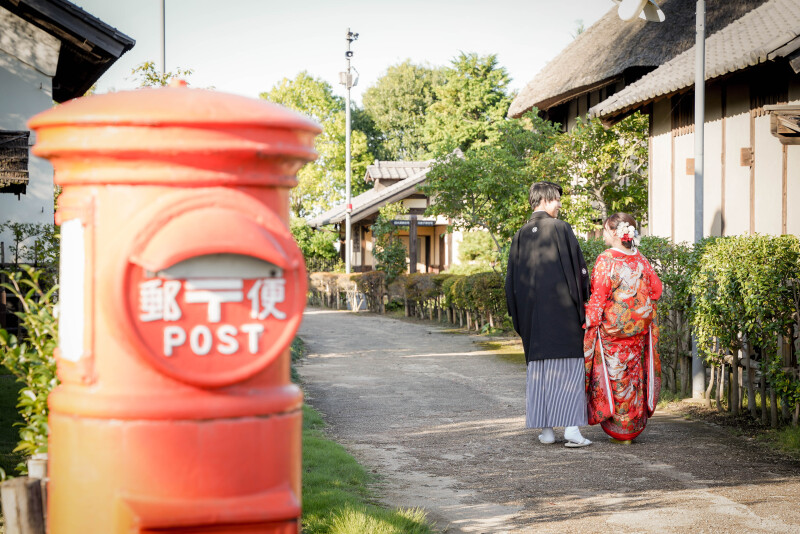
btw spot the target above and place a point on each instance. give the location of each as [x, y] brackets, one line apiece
[371, 201]
[89, 46]
[767, 32]
[611, 47]
[395, 170]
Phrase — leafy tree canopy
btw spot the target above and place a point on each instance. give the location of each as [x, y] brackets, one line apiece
[322, 182]
[470, 106]
[397, 104]
[602, 170]
[147, 75]
[487, 187]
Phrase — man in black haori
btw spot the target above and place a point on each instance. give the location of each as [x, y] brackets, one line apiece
[546, 287]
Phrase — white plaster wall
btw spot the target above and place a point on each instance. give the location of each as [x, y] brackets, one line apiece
[769, 179]
[793, 172]
[684, 190]
[457, 236]
[737, 177]
[793, 190]
[660, 187]
[712, 164]
[26, 89]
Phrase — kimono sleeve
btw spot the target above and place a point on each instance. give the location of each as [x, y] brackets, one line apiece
[574, 266]
[601, 291]
[511, 300]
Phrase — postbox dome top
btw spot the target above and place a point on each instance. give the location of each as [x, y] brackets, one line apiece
[174, 105]
[174, 135]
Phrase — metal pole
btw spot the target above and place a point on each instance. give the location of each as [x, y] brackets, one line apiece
[163, 37]
[698, 369]
[348, 245]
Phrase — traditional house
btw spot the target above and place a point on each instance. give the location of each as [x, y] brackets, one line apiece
[752, 128]
[430, 247]
[50, 50]
[612, 54]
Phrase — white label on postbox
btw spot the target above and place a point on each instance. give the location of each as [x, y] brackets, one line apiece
[71, 290]
[205, 300]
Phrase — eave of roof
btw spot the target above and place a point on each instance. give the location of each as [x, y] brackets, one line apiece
[370, 202]
[766, 33]
[394, 170]
[89, 45]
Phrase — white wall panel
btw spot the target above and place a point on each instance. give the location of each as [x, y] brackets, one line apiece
[684, 190]
[712, 175]
[737, 177]
[793, 190]
[660, 187]
[769, 179]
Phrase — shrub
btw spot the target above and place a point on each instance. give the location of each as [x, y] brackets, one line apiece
[29, 356]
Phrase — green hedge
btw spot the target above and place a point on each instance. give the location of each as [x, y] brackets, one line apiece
[739, 296]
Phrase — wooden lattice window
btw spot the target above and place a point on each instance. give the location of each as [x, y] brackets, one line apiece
[683, 113]
[13, 161]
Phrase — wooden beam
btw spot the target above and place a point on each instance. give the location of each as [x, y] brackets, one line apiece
[412, 244]
[23, 509]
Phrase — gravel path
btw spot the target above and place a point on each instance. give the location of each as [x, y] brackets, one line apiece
[443, 422]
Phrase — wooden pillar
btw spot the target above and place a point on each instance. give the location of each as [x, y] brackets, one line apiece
[23, 507]
[412, 244]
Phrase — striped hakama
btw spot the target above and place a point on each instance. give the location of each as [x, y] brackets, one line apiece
[555, 393]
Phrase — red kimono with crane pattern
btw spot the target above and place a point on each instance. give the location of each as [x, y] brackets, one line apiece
[623, 370]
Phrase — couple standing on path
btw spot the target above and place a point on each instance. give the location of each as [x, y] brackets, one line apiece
[584, 354]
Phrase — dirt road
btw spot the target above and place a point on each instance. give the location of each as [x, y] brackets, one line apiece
[443, 421]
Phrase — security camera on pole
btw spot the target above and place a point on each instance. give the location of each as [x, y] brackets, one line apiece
[346, 79]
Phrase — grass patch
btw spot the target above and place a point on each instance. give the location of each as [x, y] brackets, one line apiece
[9, 434]
[336, 499]
[666, 397]
[298, 349]
[789, 439]
[507, 349]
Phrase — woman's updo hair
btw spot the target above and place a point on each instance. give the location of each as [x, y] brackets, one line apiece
[613, 221]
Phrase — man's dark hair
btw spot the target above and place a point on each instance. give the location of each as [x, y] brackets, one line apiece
[544, 192]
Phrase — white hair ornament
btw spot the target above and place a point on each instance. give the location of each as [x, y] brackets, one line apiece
[626, 232]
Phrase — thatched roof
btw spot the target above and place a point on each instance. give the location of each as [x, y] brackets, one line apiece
[767, 32]
[610, 48]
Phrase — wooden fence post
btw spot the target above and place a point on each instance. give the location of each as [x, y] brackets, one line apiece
[23, 506]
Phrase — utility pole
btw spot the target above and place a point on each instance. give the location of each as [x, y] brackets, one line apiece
[163, 37]
[698, 369]
[346, 79]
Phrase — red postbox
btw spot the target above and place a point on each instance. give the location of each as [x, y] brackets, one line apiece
[182, 289]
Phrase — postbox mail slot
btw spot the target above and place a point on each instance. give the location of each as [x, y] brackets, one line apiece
[210, 231]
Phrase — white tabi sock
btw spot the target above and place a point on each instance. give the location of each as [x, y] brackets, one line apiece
[573, 433]
[547, 435]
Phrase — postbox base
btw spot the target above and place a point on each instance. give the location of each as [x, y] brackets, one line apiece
[238, 475]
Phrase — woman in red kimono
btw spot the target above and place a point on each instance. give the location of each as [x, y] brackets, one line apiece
[623, 370]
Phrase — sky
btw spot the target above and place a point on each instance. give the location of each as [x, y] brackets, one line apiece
[247, 46]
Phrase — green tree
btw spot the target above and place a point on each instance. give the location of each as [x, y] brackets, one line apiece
[389, 251]
[314, 244]
[322, 182]
[602, 170]
[470, 105]
[398, 104]
[147, 75]
[487, 187]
